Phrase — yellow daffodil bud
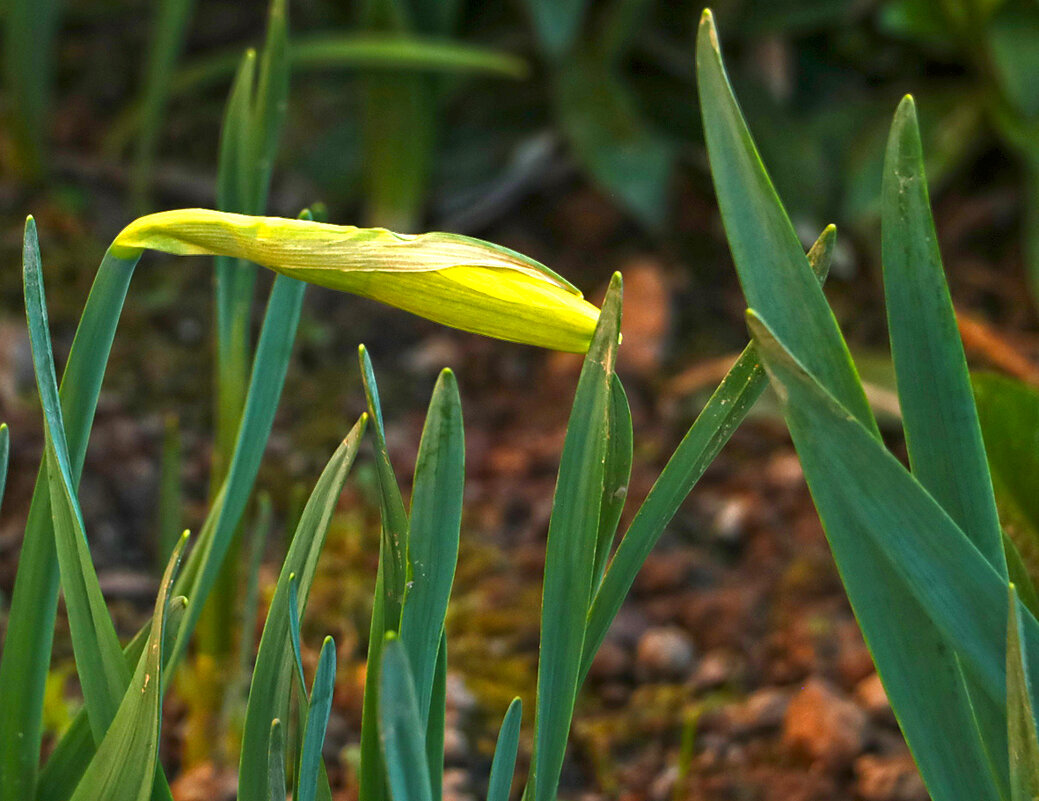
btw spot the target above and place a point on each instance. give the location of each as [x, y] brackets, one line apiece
[451, 279]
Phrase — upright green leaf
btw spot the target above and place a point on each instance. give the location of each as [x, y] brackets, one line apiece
[570, 551]
[169, 516]
[320, 706]
[394, 517]
[616, 476]
[435, 725]
[103, 672]
[725, 410]
[921, 601]
[942, 433]
[436, 518]
[389, 588]
[30, 34]
[1021, 733]
[272, 676]
[401, 729]
[775, 275]
[33, 605]
[276, 762]
[611, 138]
[504, 763]
[123, 769]
[268, 377]
[557, 23]
[167, 41]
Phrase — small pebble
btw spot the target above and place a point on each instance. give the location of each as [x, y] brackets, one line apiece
[888, 778]
[871, 696]
[663, 653]
[824, 725]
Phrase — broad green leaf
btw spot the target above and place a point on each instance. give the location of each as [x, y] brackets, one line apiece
[921, 601]
[504, 764]
[436, 518]
[33, 604]
[276, 762]
[570, 551]
[943, 437]
[310, 765]
[1009, 415]
[401, 729]
[725, 410]
[776, 278]
[272, 676]
[611, 138]
[451, 279]
[124, 767]
[389, 588]
[1013, 50]
[557, 23]
[617, 474]
[1021, 733]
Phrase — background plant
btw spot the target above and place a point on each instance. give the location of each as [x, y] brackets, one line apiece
[921, 554]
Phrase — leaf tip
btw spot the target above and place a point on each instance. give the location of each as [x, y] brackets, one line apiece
[707, 28]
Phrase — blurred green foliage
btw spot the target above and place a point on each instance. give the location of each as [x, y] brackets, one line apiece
[413, 109]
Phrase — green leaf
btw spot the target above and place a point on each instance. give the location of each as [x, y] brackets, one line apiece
[921, 601]
[124, 767]
[276, 762]
[1018, 574]
[557, 23]
[616, 476]
[33, 606]
[570, 551]
[74, 751]
[389, 589]
[504, 764]
[170, 500]
[436, 518]
[725, 410]
[103, 673]
[943, 437]
[1009, 412]
[167, 42]
[611, 138]
[1021, 733]
[394, 517]
[268, 377]
[435, 726]
[270, 103]
[272, 675]
[776, 278]
[401, 729]
[310, 765]
[31, 30]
